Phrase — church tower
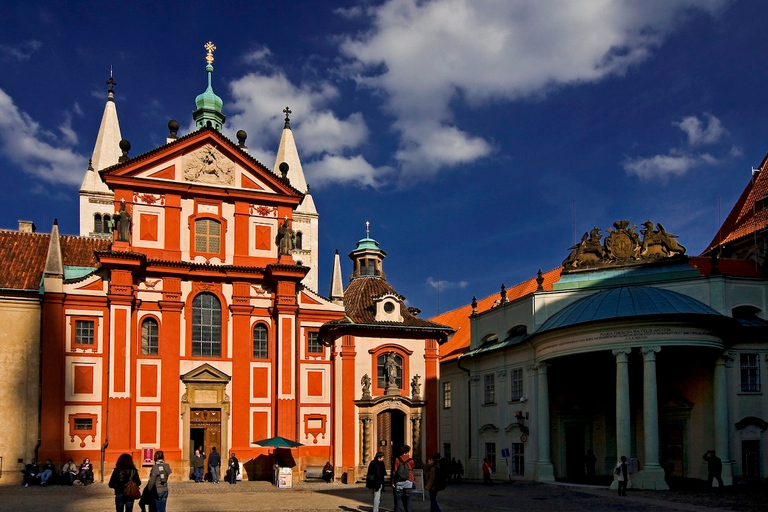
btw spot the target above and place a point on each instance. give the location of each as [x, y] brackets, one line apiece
[96, 199]
[305, 217]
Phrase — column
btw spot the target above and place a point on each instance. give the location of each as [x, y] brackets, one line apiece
[623, 428]
[721, 417]
[366, 455]
[544, 470]
[652, 475]
[416, 450]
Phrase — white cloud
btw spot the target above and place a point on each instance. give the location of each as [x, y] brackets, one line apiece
[36, 151]
[257, 55]
[338, 169]
[21, 51]
[425, 55]
[68, 134]
[701, 132]
[441, 284]
[666, 166]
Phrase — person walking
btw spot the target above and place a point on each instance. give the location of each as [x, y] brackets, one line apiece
[234, 469]
[198, 463]
[435, 481]
[714, 468]
[377, 473]
[214, 463]
[158, 480]
[621, 472]
[487, 472]
[124, 471]
[402, 478]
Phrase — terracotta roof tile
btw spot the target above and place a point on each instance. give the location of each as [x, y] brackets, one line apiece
[459, 318]
[358, 303]
[747, 216]
[727, 267]
[23, 256]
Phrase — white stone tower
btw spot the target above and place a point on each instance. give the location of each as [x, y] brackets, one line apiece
[96, 199]
[305, 217]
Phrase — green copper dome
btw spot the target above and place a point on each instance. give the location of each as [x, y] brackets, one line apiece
[208, 112]
[367, 243]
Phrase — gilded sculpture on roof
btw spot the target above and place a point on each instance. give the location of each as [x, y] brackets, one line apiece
[623, 246]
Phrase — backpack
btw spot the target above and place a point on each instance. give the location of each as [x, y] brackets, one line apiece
[440, 477]
[403, 472]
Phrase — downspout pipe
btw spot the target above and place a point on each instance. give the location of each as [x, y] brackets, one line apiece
[469, 408]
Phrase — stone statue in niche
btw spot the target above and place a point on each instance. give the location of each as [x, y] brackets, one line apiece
[285, 238]
[122, 224]
[209, 165]
[390, 370]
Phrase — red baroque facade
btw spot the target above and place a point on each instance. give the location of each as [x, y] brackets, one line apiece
[192, 330]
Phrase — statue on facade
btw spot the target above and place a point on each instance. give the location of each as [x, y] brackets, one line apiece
[285, 238]
[415, 387]
[657, 243]
[365, 382]
[390, 369]
[123, 223]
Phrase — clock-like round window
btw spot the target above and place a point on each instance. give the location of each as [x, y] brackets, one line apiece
[389, 307]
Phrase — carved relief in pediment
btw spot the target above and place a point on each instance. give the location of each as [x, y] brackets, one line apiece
[209, 165]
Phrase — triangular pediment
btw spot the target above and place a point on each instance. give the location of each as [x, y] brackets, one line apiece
[205, 373]
[204, 158]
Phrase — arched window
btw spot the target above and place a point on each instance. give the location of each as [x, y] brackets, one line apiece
[207, 236]
[260, 344]
[149, 337]
[107, 224]
[298, 240]
[382, 376]
[206, 325]
[97, 226]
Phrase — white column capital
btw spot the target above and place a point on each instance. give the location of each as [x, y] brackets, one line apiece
[726, 358]
[621, 354]
[649, 353]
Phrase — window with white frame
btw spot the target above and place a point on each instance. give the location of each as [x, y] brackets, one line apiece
[750, 372]
[84, 332]
[490, 389]
[517, 466]
[516, 384]
[149, 337]
[490, 454]
[206, 325]
[260, 343]
[313, 343]
[447, 395]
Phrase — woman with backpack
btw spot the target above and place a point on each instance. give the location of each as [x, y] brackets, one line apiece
[403, 480]
[124, 472]
[158, 480]
[435, 481]
[377, 473]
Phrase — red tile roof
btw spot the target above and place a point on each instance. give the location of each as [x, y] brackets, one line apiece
[746, 217]
[459, 318]
[23, 256]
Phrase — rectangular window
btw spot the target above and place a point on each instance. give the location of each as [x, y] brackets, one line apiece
[750, 372]
[446, 395]
[516, 384]
[490, 389]
[447, 451]
[83, 424]
[750, 458]
[490, 454]
[313, 343]
[207, 236]
[518, 459]
[84, 332]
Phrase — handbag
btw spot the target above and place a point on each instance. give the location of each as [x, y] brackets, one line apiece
[131, 490]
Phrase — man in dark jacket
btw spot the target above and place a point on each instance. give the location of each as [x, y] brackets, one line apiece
[714, 468]
[214, 462]
[377, 474]
[198, 463]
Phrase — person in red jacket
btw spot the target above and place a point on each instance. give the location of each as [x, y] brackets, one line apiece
[486, 471]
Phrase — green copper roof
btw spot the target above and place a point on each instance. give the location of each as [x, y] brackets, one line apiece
[624, 302]
[367, 243]
[208, 112]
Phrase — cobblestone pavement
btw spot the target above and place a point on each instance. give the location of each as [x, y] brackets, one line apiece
[321, 497]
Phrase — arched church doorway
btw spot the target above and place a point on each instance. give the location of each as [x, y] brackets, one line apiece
[390, 428]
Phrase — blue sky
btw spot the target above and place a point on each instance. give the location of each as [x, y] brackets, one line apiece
[479, 138]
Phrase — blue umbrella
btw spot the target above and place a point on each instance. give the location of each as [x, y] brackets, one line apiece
[277, 442]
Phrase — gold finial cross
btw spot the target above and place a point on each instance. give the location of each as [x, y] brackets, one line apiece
[367, 229]
[210, 47]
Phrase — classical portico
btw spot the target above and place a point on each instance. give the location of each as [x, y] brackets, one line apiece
[581, 334]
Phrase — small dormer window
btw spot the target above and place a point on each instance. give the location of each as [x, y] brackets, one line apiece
[389, 307]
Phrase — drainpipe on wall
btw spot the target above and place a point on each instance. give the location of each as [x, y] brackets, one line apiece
[469, 409]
